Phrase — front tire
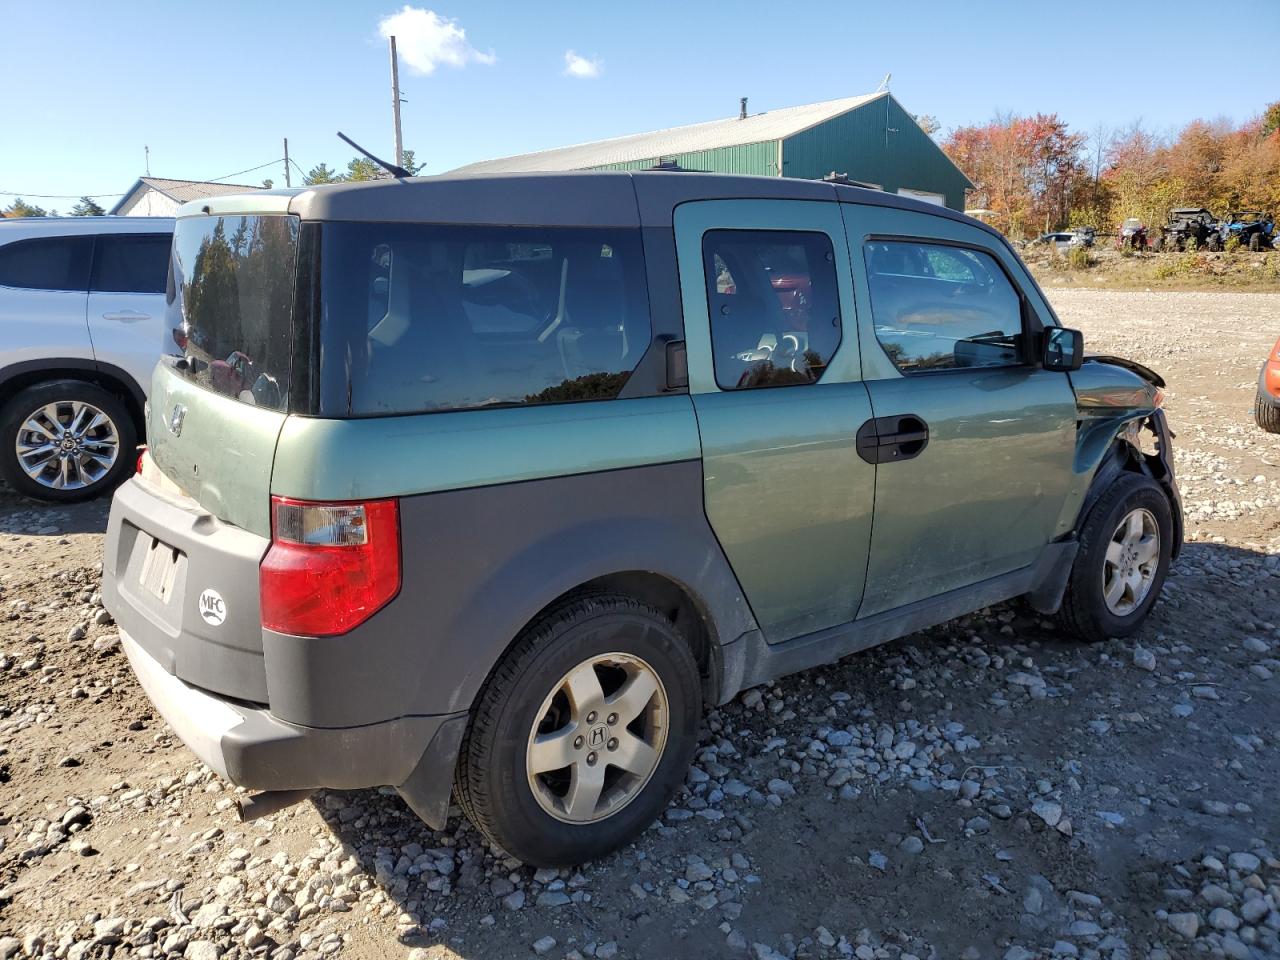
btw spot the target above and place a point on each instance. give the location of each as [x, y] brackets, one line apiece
[583, 732]
[1266, 414]
[66, 440]
[1125, 548]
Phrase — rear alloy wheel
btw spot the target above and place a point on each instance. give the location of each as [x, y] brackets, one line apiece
[1126, 544]
[66, 440]
[583, 732]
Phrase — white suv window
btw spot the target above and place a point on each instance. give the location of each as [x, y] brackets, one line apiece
[47, 263]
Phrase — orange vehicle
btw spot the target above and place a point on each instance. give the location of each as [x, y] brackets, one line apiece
[1266, 408]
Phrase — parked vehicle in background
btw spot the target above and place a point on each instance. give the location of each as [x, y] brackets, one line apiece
[1252, 229]
[1065, 240]
[1133, 235]
[82, 303]
[1088, 234]
[1266, 404]
[1189, 226]
[524, 498]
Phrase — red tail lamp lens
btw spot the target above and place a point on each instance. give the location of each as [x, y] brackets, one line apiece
[331, 566]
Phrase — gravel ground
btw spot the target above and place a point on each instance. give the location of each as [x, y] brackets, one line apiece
[984, 789]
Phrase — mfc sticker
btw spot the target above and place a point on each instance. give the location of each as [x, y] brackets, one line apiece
[212, 607]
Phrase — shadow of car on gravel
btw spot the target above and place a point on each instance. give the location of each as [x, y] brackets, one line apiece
[1095, 770]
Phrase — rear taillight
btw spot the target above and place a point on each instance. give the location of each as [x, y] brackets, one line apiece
[331, 566]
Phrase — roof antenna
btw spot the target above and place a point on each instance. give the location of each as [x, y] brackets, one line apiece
[742, 110]
[884, 84]
[391, 168]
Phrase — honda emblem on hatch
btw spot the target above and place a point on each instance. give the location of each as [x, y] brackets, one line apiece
[175, 419]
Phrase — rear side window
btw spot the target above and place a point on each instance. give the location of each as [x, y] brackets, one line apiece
[419, 318]
[938, 307]
[136, 264]
[774, 305]
[47, 263]
[230, 305]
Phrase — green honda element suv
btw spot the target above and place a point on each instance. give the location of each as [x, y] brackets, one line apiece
[482, 487]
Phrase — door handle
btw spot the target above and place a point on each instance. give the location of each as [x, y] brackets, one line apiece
[127, 316]
[889, 439]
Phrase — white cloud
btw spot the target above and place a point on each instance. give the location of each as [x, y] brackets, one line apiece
[584, 68]
[426, 40]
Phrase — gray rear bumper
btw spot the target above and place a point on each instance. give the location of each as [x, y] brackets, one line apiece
[252, 748]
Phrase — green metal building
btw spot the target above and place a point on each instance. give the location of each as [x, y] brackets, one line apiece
[871, 139]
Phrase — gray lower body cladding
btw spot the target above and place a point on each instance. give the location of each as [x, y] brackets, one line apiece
[386, 702]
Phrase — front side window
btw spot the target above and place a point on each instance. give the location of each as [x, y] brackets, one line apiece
[938, 307]
[47, 263]
[774, 305]
[131, 264]
[433, 317]
[230, 305]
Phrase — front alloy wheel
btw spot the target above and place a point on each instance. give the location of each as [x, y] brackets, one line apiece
[1132, 558]
[1125, 545]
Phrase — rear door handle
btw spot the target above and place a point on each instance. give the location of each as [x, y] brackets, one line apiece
[127, 316]
[889, 439]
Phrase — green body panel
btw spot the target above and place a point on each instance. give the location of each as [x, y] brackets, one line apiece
[986, 494]
[756, 159]
[1104, 390]
[1111, 400]
[877, 143]
[786, 493]
[426, 453]
[223, 455]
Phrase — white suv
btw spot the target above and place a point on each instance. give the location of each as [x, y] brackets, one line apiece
[81, 316]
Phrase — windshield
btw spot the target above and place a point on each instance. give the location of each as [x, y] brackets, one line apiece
[230, 304]
[431, 317]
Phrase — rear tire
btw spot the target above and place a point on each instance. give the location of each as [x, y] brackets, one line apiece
[1266, 414]
[1255, 242]
[98, 429]
[560, 694]
[1116, 552]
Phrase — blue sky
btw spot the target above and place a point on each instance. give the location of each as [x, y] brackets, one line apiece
[213, 88]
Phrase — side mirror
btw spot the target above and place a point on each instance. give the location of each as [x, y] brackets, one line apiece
[1063, 349]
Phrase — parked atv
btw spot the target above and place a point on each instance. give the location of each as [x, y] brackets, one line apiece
[1188, 226]
[1133, 234]
[1254, 230]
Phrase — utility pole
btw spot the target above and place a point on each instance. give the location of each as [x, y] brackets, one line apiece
[147, 153]
[395, 102]
[287, 181]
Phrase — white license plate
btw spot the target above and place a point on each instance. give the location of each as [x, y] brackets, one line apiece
[159, 569]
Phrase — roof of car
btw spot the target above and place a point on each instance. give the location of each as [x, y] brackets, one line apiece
[562, 198]
[11, 228]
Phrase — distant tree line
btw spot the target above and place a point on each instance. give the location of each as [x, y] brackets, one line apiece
[1036, 175]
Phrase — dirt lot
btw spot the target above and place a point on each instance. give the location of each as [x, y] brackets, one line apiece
[985, 789]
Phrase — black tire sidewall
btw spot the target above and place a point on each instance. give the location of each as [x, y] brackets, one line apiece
[29, 399]
[1130, 492]
[524, 829]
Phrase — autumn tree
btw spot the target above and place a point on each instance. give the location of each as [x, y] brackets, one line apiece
[20, 208]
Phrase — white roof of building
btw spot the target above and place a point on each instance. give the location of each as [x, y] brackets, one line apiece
[183, 190]
[731, 132]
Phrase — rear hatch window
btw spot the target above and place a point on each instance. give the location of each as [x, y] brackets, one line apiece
[432, 317]
[230, 304]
